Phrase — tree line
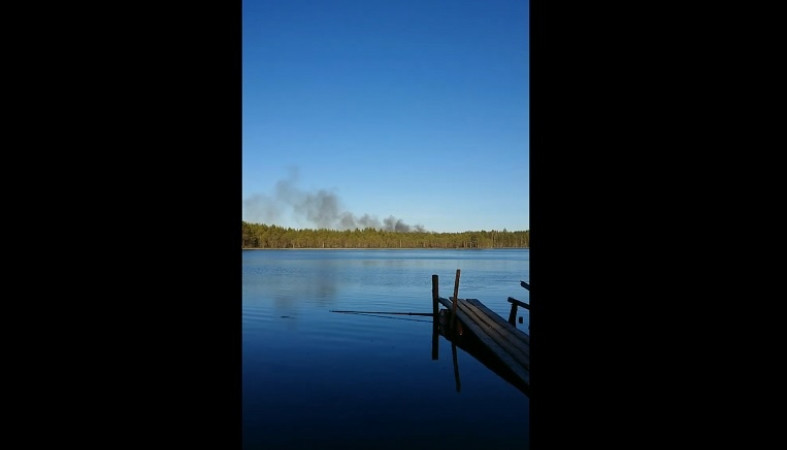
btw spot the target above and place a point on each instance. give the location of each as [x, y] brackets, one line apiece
[257, 235]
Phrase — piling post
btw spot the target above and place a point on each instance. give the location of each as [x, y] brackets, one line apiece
[456, 299]
[435, 294]
[435, 316]
[456, 292]
[454, 324]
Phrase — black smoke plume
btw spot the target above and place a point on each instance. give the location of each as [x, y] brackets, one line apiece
[321, 209]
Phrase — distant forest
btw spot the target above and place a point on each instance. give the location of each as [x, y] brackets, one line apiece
[271, 236]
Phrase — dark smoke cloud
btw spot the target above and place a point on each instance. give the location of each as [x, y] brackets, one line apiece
[322, 209]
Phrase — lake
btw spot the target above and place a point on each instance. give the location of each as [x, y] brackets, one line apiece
[314, 379]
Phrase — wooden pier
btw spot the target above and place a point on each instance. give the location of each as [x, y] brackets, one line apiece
[495, 342]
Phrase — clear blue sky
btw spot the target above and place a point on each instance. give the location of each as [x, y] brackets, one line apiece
[358, 111]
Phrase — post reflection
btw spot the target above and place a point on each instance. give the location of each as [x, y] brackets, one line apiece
[473, 347]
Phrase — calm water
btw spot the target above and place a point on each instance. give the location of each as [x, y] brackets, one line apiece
[316, 379]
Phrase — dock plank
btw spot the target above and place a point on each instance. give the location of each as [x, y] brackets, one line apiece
[516, 331]
[500, 332]
[517, 335]
[501, 338]
[504, 355]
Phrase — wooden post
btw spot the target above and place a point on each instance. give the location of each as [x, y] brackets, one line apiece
[456, 293]
[435, 316]
[435, 294]
[456, 299]
[512, 314]
[454, 323]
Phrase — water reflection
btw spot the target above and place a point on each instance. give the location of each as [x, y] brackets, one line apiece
[316, 379]
[458, 337]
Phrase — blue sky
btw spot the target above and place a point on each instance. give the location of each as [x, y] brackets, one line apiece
[358, 111]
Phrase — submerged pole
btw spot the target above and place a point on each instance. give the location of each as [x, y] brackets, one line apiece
[435, 294]
[382, 312]
[435, 316]
[456, 293]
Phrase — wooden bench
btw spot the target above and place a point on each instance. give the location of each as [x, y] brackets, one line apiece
[514, 304]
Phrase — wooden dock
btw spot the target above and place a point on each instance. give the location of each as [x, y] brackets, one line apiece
[499, 344]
